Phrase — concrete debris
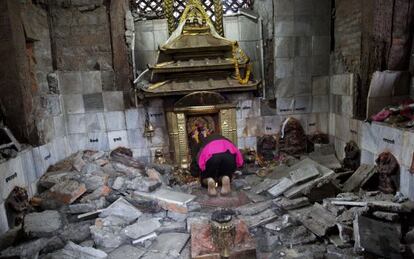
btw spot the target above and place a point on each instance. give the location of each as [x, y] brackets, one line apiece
[29, 249]
[283, 185]
[377, 237]
[359, 178]
[67, 192]
[389, 216]
[72, 250]
[291, 204]
[126, 251]
[141, 228]
[123, 209]
[114, 206]
[42, 224]
[143, 184]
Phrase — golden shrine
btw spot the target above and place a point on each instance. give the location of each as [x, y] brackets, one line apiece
[196, 64]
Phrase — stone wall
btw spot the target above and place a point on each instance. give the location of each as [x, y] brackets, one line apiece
[81, 34]
[302, 47]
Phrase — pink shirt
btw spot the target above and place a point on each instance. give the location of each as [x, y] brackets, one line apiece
[218, 146]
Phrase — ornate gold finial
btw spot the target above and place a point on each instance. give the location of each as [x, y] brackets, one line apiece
[169, 14]
[218, 12]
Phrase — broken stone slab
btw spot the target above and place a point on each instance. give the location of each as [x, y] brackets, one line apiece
[67, 191]
[255, 197]
[333, 252]
[72, 250]
[168, 199]
[94, 180]
[176, 216]
[283, 185]
[306, 188]
[291, 204]
[126, 251]
[346, 234]
[337, 241]
[317, 219]
[281, 223]
[107, 238]
[253, 209]
[143, 184]
[154, 175]
[263, 186]
[90, 168]
[389, 216]
[126, 169]
[260, 219]
[141, 228]
[390, 206]
[304, 174]
[142, 240]
[170, 243]
[377, 237]
[300, 252]
[123, 209]
[90, 214]
[329, 161]
[113, 221]
[78, 163]
[29, 249]
[359, 178]
[118, 183]
[42, 224]
[168, 227]
[76, 232]
[87, 207]
[51, 178]
[102, 191]
[349, 203]
[124, 156]
[296, 235]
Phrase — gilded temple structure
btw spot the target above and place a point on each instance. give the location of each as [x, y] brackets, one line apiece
[194, 67]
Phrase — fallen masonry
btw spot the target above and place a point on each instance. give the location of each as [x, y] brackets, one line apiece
[114, 206]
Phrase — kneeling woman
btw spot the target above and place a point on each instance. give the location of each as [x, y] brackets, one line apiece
[215, 162]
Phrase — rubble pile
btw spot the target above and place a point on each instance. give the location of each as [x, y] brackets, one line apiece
[99, 205]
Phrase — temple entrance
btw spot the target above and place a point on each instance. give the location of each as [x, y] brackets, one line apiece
[195, 116]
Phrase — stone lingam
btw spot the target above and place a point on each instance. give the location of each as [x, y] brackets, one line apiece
[224, 236]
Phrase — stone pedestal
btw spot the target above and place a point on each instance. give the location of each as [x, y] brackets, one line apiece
[202, 245]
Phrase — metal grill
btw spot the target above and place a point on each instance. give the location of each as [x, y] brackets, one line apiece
[154, 8]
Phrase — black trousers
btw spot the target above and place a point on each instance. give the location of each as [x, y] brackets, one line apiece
[219, 165]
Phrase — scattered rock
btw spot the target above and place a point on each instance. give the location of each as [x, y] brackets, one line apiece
[123, 209]
[72, 250]
[42, 224]
[126, 251]
[141, 228]
[67, 191]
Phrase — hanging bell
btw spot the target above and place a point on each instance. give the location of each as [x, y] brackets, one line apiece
[149, 130]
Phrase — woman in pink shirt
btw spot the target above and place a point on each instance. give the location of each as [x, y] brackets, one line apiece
[215, 161]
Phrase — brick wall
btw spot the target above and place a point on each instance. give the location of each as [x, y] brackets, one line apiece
[81, 34]
[348, 36]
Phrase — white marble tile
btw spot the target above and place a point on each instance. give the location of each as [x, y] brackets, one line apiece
[157, 116]
[77, 142]
[28, 165]
[318, 122]
[332, 124]
[76, 123]
[367, 157]
[408, 148]
[115, 120]
[4, 225]
[339, 148]
[97, 141]
[250, 142]
[342, 130]
[95, 122]
[136, 139]
[159, 139]
[135, 118]
[342, 84]
[117, 138]
[11, 175]
[241, 128]
[320, 103]
[271, 124]
[369, 139]
[73, 103]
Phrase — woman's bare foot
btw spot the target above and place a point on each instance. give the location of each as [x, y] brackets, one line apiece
[211, 187]
[225, 185]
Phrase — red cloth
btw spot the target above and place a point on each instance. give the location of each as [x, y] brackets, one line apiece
[215, 147]
[381, 116]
